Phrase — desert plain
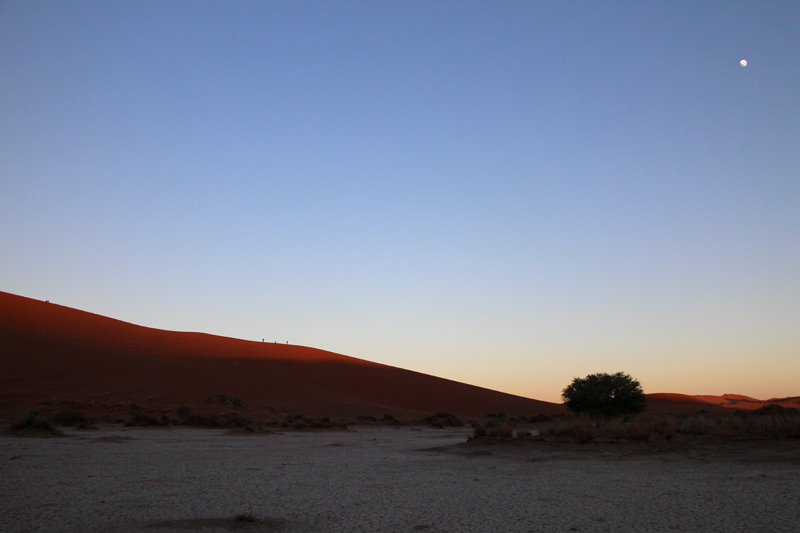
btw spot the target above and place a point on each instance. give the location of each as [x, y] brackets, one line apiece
[311, 441]
[391, 479]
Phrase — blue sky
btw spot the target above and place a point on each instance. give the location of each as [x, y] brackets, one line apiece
[509, 194]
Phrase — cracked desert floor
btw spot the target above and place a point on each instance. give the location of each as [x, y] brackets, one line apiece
[371, 479]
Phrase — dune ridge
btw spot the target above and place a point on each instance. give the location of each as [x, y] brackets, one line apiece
[54, 353]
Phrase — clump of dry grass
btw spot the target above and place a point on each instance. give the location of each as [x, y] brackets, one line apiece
[639, 428]
[498, 429]
[771, 421]
[582, 428]
[696, 424]
[501, 426]
[768, 422]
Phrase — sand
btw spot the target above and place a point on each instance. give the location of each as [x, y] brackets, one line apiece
[57, 358]
[376, 479]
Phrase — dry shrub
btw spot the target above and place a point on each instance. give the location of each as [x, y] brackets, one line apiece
[184, 411]
[667, 429]
[638, 431]
[582, 428]
[299, 421]
[503, 431]
[637, 428]
[478, 431]
[616, 429]
[442, 420]
[648, 427]
[70, 418]
[697, 424]
[35, 423]
[735, 425]
[224, 400]
[143, 420]
[772, 421]
[495, 428]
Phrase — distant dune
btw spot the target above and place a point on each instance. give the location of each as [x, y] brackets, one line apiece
[683, 403]
[57, 355]
[737, 401]
[660, 403]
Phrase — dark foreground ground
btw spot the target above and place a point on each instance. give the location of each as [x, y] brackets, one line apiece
[389, 479]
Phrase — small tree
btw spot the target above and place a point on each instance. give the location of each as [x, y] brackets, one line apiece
[605, 395]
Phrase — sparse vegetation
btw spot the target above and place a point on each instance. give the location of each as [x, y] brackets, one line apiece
[34, 422]
[501, 426]
[142, 419]
[303, 422]
[771, 422]
[728, 425]
[605, 395]
[541, 417]
[442, 420]
[224, 400]
[581, 428]
[210, 421]
[390, 419]
[495, 429]
[184, 411]
[70, 419]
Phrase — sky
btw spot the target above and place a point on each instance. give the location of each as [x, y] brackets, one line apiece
[507, 194]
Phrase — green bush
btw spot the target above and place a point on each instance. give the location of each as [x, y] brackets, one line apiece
[605, 395]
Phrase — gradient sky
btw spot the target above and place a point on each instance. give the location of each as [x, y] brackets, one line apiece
[508, 194]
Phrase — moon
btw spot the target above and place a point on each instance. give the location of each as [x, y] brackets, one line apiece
[743, 62]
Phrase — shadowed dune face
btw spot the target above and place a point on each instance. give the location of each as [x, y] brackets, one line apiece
[53, 353]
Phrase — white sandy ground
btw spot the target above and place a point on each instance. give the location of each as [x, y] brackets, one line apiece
[370, 479]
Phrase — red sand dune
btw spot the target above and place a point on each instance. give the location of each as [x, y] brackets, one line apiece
[51, 353]
[661, 402]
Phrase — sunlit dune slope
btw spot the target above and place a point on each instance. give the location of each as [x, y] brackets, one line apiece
[54, 354]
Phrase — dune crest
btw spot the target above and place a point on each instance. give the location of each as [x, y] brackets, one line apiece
[53, 353]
